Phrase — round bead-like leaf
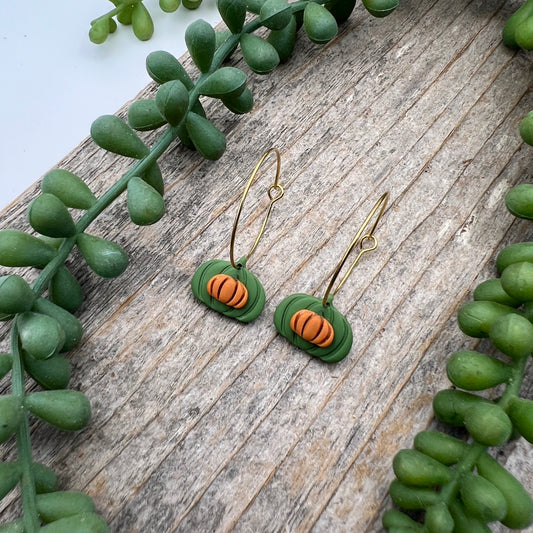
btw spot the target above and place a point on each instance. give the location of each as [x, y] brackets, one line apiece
[65, 409]
[256, 293]
[44, 477]
[20, 249]
[41, 336]
[144, 115]
[113, 134]
[342, 340]
[259, 54]
[513, 335]
[69, 188]
[169, 6]
[50, 374]
[320, 25]
[475, 318]
[283, 40]
[6, 363]
[233, 13]
[417, 469]
[80, 523]
[9, 477]
[517, 281]
[10, 413]
[200, 39]
[482, 499]
[99, 31]
[64, 290]
[442, 447]
[491, 290]
[16, 295]
[68, 322]
[154, 178]
[163, 66]
[192, 4]
[520, 412]
[104, 257]
[145, 205]
[450, 405]
[275, 14]
[172, 100]
[380, 8]
[207, 139]
[60, 504]
[519, 16]
[142, 23]
[340, 9]
[475, 371]
[240, 104]
[49, 216]
[519, 201]
[226, 82]
[488, 424]
[524, 34]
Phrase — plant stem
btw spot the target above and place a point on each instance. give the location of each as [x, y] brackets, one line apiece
[29, 504]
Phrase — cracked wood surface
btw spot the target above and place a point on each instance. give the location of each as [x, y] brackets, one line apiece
[201, 423]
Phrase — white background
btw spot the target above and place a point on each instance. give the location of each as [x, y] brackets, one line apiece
[55, 82]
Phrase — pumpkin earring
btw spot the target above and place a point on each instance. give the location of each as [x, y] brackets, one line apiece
[228, 286]
[314, 325]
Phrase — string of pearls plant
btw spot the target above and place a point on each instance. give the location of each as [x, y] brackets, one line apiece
[44, 329]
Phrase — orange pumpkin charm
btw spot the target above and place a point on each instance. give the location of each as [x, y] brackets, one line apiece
[312, 327]
[228, 290]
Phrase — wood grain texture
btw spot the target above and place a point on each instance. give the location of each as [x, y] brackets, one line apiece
[201, 423]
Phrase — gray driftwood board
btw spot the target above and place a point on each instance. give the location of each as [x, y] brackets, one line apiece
[201, 423]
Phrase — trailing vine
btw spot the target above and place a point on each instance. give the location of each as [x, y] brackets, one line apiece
[43, 328]
[448, 484]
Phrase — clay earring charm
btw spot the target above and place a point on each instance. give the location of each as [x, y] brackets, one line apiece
[228, 286]
[313, 324]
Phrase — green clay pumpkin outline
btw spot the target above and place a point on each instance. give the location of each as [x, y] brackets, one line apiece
[256, 292]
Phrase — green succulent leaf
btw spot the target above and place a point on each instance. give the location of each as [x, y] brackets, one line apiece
[154, 178]
[144, 115]
[488, 424]
[417, 469]
[44, 477]
[41, 336]
[241, 104]
[6, 363]
[163, 66]
[48, 215]
[517, 281]
[68, 322]
[20, 249]
[169, 6]
[192, 4]
[65, 409]
[105, 258]
[99, 31]
[16, 295]
[125, 15]
[56, 505]
[69, 188]
[340, 9]
[520, 412]
[513, 335]
[9, 477]
[207, 139]
[284, 40]
[172, 100]
[145, 205]
[65, 290]
[227, 82]
[522, 14]
[515, 253]
[200, 39]
[476, 318]
[233, 13]
[380, 8]
[80, 523]
[114, 135]
[320, 25]
[491, 290]
[141, 22]
[259, 54]
[451, 406]
[10, 414]
[519, 201]
[275, 14]
[51, 374]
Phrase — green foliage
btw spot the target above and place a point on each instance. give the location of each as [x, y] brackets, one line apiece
[113, 134]
[18, 249]
[172, 101]
[145, 205]
[144, 115]
[320, 25]
[105, 258]
[259, 54]
[233, 13]
[200, 39]
[69, 188]
[380, 8]
[41, 336]
[474, 490]
[49, 216]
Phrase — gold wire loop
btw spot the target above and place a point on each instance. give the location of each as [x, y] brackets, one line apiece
[362, 240]
[275, 192]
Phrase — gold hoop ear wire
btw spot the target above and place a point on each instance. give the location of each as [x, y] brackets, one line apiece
[361, 239]
[275, 192]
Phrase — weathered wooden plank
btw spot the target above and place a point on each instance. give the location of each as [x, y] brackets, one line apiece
[204, 424]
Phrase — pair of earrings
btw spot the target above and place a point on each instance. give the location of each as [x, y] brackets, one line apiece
[311, 323]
